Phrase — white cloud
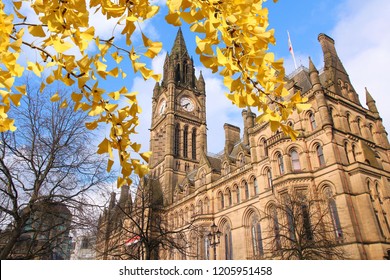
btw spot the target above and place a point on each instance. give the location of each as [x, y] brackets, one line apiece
[363, 44]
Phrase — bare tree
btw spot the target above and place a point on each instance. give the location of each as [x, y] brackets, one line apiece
[304, 228]
[47, 160]
[140, 229]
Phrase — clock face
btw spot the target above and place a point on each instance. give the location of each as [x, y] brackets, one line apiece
[163, 106]
[187, 104]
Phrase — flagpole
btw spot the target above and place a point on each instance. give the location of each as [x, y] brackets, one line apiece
[291, 49]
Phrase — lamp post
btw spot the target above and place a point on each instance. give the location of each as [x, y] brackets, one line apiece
[214, 237]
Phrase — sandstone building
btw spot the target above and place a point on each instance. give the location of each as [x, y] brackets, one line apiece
[342, 156]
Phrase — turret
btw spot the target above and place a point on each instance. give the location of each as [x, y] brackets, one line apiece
[371, 103]
[200, 84]
[319, 94]
[249, 121]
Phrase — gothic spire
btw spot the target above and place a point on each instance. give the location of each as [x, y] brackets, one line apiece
[312, 67]
[179, 46]
[370, 102]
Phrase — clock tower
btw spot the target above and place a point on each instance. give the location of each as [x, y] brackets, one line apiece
[178, 131]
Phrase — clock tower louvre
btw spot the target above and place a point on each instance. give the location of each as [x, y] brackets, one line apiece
[178, 132]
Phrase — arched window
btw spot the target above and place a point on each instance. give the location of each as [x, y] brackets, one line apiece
[312, 119]
[176, 143]
[308, 234]
[237, 190]
[221, 200]
[265, 148]
[185, 141]
[206, 249]
[320, 155]
[378, 192]
[255, 186]
[200, 207]
[289, 209]
[194, 143]
[296, 166]
[246, 189]
[225, 168]
[276, 228]
[371, 128]
[229, 197]
[359, 123]
[228, 242]
[241, 160]
[269, 178]
[257, 241]
[346, 151]
[334, 213]
[280, 163]
[349, 122]
[206, 206]
[354, 152]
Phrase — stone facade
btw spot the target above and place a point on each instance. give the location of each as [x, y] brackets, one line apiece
[342, 154]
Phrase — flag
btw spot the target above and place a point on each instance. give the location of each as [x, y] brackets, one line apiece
[133, 240]
[291, 50]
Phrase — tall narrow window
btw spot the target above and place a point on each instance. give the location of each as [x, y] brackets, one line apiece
[269, 178]
[296, 166]
[246, 188]
[206, 205]
[312, 119]
[378, 192]
[346, 151]
[185, 141]
[334, 214]
[237, 189]
[200, 207]
[228, 243]
[256, 186]
[371, 128]
[320, 155]
[257, 242]
[230, 198]
[280, 163]
[221, 201]
[276, 228]
[265, 151]
[176, 145]
[359, 126]
[194, 143]
[354, 152]
[349, 122]
[306, 221]
[206, 243]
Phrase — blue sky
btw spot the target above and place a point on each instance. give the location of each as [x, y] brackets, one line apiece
[360, 29]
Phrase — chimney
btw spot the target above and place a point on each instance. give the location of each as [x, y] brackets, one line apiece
[232, 136]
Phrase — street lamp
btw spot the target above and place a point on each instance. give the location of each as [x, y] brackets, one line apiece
[214, 237]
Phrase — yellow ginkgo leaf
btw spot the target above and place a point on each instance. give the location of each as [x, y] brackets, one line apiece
[56, 97]
[36, 31]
